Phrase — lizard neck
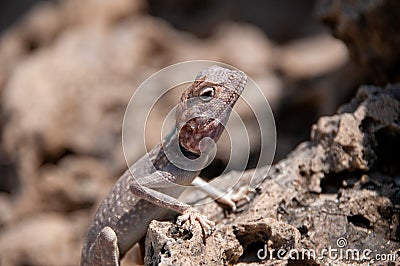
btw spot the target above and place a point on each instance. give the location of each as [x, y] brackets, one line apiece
[188, 154]
[170, 148]
[173, 139]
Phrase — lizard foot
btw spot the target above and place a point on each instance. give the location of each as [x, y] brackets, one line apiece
[105, 249]
[238, 200]
[190, 216]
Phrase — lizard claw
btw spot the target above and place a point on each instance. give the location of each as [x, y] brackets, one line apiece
[190, 216]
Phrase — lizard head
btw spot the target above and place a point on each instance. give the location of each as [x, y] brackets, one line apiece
[206, 105]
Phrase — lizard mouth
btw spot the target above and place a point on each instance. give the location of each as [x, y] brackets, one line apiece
[195, 130]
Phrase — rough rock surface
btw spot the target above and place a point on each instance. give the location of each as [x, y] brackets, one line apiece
[332, 188]
[369, 29]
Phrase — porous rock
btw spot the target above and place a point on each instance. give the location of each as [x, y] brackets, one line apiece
[336, 186]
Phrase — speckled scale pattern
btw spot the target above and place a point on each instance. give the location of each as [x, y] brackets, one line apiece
[129, 216]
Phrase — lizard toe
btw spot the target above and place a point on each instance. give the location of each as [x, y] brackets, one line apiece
[189, 218]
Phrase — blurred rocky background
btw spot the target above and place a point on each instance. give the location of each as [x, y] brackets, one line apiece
[68, 69]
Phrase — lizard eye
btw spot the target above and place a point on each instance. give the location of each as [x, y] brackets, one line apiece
[207, 93]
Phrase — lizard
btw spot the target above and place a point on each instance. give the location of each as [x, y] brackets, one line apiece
[149, 189]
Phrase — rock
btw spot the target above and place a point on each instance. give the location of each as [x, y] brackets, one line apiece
[368, 29]
[277, 234]
[295, 205]
[36, 241]
[301, 60]
[166, 245]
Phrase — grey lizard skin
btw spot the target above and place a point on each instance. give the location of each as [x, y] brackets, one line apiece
[148, 190]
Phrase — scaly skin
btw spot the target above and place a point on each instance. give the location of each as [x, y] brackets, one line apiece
[149, 188]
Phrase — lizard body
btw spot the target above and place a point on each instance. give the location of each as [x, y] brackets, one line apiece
[149, 188]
